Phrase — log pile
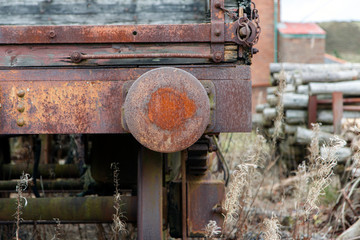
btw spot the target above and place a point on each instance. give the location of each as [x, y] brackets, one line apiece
[304, 80]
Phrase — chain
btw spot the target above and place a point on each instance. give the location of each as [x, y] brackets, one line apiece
[244, 22]
[256, 18]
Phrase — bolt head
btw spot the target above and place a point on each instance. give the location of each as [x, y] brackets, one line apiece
[52, 34]
[217, 32]
[76, 57]
[21, 93]
[20, 122]
[217, 4]
[218, 56]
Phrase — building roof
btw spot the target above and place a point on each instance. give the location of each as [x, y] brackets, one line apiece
[301, 29]
[332, 59]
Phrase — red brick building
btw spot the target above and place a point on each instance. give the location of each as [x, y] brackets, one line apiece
[282, 42]
[301, 43]
[269, 16]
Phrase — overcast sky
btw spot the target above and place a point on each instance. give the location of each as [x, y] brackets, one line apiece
[320, 10]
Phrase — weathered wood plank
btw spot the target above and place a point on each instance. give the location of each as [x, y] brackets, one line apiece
[96, 12]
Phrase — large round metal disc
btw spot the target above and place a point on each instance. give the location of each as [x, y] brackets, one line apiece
[167, 109]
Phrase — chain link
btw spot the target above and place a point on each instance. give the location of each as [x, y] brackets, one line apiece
[254, 16]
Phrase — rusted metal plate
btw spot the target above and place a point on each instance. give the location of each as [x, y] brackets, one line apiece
[150, 193]
[167, 109]
[202, 72]
[84, 209]
[61, 107]
[233, 106]
[112, 34]
[90, 100]
[203, 197]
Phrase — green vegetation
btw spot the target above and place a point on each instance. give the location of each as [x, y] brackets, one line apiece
[342, 40]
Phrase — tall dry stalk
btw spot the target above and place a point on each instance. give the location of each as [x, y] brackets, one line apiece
[244, 186]
[57, 234]
[314, 148]
[272, 229]
[278, 121]
[321, 173]
[21, 201]
[118, 225]
[314, 177]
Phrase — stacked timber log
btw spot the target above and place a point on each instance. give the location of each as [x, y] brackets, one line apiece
[303, 81]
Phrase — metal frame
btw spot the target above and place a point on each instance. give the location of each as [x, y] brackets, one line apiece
[337, 105]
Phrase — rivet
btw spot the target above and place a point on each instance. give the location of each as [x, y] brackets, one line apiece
[20, 122]
[52, 34]
[218, 56]
[75, 57]
[21, 93]
[20, 107]
[217, 4]
[217, 32]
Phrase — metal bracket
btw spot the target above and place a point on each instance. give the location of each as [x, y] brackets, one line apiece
[217, 30]
[211, 92]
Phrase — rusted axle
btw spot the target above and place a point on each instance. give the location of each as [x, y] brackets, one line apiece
[78, 57]
[80, 209]
[10, 171]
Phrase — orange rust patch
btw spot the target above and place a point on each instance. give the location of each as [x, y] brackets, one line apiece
[169, 108]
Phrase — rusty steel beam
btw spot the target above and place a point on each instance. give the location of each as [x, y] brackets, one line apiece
[83, 209]
[66, 107]
[57, 184]
[312, 110]
[14, 171]
[201, 72]
[351, 108]
[179, 33]
[150, 195]
[184, 222]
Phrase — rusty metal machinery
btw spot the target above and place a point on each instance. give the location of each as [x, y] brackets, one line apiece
[149, 97]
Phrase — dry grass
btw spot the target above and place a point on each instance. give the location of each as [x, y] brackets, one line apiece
[272, 229]
[252, 164]
[212, 230]
[118, 227]
[21, 201]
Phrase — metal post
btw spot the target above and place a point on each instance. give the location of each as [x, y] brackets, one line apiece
[149, 195]
[312, 110]
[183, 195]
[337, 107]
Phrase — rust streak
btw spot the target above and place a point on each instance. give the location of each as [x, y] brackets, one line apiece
[169, 108]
